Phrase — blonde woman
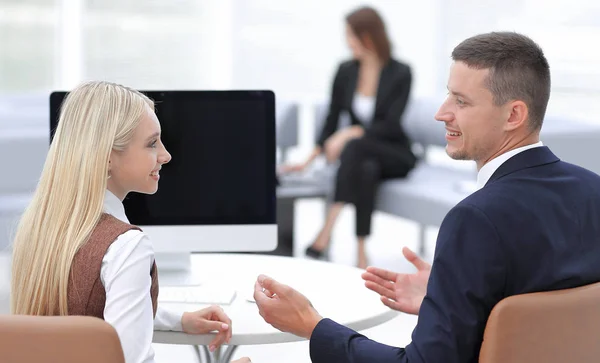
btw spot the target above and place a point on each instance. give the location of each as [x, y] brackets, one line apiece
[75, 252]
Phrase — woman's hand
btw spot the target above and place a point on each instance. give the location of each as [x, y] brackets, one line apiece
[335, 144]
[293, 168]
[300, 167]
[208, 320]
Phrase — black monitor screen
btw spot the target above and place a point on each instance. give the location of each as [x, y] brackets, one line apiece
[222, 169]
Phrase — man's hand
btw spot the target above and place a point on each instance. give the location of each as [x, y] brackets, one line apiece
[402, 292]
[242, 360]
[285, 308]
[207, 320]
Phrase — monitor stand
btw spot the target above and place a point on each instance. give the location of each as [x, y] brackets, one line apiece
[175, 268]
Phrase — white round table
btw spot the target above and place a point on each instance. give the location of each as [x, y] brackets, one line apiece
[336, 291]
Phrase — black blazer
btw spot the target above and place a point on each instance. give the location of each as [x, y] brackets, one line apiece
[535, 226]
[392, 96]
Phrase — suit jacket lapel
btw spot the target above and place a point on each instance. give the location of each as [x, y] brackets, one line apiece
[385, 85]
[352, 80]
[523, 160]
[383, 88]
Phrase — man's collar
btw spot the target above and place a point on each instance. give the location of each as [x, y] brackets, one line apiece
[486, 172]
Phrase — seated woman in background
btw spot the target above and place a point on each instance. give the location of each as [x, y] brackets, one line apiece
[75, 252]
[373, 89]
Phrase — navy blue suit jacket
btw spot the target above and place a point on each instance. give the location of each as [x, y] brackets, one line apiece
[535, 226]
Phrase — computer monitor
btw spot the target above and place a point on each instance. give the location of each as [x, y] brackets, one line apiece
[217, 194]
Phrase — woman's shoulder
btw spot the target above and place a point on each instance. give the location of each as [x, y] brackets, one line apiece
[347, 65]
[398, 66]
[133, 246]
[108, 222]
[120, 234]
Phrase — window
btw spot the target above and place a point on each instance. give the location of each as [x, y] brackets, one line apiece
[567, 31]
[148, 44]
[27, 41]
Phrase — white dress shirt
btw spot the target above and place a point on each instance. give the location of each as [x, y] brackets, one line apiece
[125, 274]
[486, 172]
[364, 108]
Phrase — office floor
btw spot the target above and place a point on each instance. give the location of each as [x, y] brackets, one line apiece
[390, 234]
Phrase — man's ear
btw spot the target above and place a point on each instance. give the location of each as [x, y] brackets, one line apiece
[518, 115]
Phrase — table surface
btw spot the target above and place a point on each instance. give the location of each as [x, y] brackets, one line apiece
[336, 291]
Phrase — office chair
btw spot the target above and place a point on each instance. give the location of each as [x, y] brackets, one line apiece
[58, 339]
[550, 327]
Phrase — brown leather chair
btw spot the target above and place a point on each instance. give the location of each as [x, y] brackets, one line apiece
[549, 327]
[58, 339]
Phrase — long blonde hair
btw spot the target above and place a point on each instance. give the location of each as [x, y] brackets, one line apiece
[95, 118]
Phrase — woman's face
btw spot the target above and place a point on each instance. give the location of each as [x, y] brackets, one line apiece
[356, 46]
[136, 169]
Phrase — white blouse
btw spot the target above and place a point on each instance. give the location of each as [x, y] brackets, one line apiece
[364, 108]
[125, 274]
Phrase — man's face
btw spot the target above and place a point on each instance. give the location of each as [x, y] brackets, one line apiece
[474, 124]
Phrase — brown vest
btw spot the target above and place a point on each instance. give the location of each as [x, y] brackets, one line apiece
[86, 293]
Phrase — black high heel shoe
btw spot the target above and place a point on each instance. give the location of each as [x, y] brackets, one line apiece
[314, 253]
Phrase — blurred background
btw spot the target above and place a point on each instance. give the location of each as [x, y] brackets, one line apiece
[292, 47]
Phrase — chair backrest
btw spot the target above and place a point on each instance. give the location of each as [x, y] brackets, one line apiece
[417, 121]
[550, 327]
[24, 133]
[286, 118]
[58, 339]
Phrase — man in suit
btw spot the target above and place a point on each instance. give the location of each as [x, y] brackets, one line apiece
[534, 224]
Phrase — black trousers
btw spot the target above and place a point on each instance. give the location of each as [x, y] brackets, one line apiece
[364, 163]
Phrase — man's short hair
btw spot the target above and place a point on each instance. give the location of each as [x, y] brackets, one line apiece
[518, 69]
